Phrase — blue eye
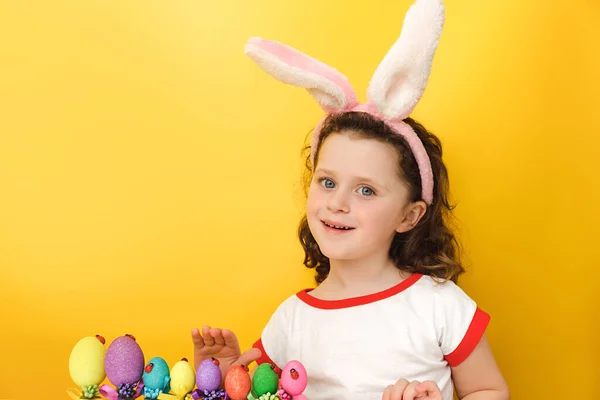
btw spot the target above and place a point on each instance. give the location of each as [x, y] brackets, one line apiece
[327, 183]
[366, 191]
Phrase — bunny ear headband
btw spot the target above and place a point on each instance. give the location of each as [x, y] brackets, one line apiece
[394, 90]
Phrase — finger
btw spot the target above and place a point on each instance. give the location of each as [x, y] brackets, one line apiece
[198, 347]
[430, 389]
[217, 336]
[396, 393]
[398, 389]
[387, 393]
[248, 357]
[231, 340]
[410, 393]
[208, 339]
[197, 338]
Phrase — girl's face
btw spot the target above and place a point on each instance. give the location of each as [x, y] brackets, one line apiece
[357, 200]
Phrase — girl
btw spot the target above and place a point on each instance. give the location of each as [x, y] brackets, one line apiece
[386, 320]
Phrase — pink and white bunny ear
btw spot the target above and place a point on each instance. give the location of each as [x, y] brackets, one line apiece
[399, 82]
[329, 87]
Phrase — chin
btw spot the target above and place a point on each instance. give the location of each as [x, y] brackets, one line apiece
[336, 252]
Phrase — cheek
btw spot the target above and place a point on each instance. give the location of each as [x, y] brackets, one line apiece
[382, 218]
[313, 201]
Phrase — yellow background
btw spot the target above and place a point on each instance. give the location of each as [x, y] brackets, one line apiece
[150, 173]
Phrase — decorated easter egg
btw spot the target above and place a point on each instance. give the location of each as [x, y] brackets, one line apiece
[124, 361]
[294, 378]
[238, 383]
[208, 376]
[86, 362]
[265, 380]
[156, 374]
[183, 378]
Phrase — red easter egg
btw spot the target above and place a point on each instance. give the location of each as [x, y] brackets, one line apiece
[238, 383]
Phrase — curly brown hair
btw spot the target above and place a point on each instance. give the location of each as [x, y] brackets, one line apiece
[431, 247]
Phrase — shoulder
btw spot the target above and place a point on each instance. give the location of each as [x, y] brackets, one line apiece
[286, 308]
[442, 298]
[439, 288]
[459, 321]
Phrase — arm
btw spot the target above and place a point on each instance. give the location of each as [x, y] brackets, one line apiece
[478, 377]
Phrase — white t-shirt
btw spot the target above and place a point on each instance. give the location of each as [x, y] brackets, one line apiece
[354, 348]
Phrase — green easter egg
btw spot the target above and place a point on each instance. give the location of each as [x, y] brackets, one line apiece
[265, 380]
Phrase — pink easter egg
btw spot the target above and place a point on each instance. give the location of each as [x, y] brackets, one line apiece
[294, 378]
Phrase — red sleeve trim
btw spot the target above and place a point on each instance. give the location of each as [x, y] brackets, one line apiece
[264, 358]
[474, 333]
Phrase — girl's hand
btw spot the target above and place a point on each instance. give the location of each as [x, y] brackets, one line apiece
[223, 345]
[405, 390]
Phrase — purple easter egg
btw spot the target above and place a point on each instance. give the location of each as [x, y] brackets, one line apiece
[124, 361]
[208, 376]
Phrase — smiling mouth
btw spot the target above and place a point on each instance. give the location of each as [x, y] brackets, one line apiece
[337, 227]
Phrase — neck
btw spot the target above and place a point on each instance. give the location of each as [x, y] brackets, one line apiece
[361, 277]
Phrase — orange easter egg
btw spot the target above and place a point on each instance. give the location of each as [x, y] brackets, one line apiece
[238, 383]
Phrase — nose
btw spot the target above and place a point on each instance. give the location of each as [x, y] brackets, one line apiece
[337, 201]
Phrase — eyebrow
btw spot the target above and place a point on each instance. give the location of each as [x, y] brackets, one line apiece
[357, 178]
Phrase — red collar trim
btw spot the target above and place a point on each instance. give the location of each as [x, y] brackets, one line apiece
[357, 301]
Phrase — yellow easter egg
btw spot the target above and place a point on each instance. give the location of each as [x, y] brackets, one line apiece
[183, 378]
[86, 363]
